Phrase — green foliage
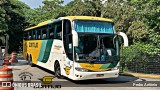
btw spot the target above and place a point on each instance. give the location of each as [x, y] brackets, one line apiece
[12, 18]
[3, 16]
[86, 8]
[51, 9]
[138, 18]
[139, 31]
[149, 12]
[139, 50]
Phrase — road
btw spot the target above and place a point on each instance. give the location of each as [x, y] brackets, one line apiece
[120, 83]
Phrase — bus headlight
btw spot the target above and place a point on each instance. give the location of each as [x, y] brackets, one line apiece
[115, 68]
[81, 69]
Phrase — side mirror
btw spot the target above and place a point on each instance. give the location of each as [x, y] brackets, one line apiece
[125, 38]
[75, 38]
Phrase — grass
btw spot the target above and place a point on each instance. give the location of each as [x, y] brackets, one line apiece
[19, 54]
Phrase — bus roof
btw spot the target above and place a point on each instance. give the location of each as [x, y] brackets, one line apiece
[89, 18]
[72, 18]
[40, 24]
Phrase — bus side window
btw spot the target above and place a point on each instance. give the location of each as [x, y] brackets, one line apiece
[67, 39]
[44, 34]
[38, 34]
[51, 34]
[33, 35]
[58, 30]
[29, 35]
[47, 33]
[25, 36]
[41, 34]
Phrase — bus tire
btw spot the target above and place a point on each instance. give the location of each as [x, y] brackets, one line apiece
[58, 70]
[30, 61]
[27, 58]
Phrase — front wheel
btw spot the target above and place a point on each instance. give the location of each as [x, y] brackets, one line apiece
[58, 71]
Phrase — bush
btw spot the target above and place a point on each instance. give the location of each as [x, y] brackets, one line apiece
[136, 57]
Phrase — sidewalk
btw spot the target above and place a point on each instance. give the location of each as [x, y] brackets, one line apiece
[141, 75]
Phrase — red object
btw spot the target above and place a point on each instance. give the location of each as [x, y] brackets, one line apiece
[5, 68]
[6, 76]
[6, 88]
[14, 57]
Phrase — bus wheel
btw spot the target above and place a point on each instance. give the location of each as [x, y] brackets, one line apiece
[58, 71]
[27, 57]
[30, 61]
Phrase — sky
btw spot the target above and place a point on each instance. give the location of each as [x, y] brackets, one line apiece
[37, 3]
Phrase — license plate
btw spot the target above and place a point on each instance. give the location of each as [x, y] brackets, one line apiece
[99, 75]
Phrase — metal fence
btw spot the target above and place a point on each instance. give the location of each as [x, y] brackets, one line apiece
[147, 65]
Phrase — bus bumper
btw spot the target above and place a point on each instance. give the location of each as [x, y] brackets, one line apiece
[95, 75]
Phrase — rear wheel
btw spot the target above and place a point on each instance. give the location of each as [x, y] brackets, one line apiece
[30, 61]
[58, 71]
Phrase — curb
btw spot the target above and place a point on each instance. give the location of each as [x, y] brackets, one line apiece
[140, 75]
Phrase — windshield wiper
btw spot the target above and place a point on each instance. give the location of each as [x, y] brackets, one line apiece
[91, 61]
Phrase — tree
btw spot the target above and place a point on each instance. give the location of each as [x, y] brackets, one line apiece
[85, 8]
[148, 12]
[51, 9]
[3, 16]
[3, 21]
[11, 22]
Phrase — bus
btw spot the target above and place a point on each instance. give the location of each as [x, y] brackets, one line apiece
[76, 47]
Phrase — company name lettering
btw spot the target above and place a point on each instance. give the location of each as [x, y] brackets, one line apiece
[33, 44]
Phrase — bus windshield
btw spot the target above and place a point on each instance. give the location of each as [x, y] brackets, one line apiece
[97, 41]
[97, 47]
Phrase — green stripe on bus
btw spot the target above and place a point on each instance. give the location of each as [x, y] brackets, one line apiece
[45, 50]
[42, 50]
[110, 65]
[104, 66]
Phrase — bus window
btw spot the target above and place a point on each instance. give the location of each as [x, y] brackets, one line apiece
[51, 34]
[67, 39]
[25, 36]
[47, 32]
[38, 34]
[41, 36]
[32, 35]
[44, 34]
[29, 35]
[58, 30]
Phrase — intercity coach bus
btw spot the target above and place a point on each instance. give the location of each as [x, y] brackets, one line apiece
[77, 47]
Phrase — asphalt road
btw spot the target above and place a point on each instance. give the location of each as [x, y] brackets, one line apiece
[120, 83]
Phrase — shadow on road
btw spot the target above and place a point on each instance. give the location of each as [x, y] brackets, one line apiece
[122, 79]
[46, 70]
[119, 80]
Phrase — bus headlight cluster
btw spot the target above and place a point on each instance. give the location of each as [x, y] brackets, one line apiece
[81, 69]
[116, 68]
